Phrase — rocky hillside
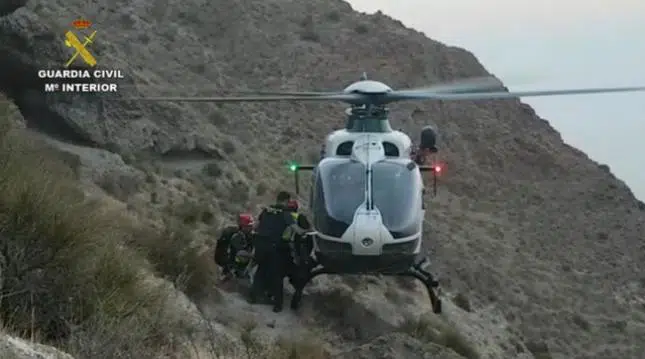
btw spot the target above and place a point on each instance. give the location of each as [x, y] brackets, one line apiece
[541, 248]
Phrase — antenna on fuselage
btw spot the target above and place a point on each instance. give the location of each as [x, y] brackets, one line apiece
[364, 76]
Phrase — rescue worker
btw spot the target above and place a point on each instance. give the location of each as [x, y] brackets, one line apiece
[300, 245]
[297, 255]
[234, 247]
[273, 221]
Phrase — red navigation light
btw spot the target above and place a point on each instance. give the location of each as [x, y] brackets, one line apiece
[81, 24]
[437, 169]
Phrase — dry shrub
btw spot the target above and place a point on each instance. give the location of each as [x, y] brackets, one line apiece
[303, 347]
[143, 335]
[66, 269]
[192, 212]
[174, 256]
[435, 330]
[300, 348]
[462, 301]
[339, 310]
[539, 349]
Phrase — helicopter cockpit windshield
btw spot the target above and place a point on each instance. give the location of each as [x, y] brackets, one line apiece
[340, 189]
[397, 194]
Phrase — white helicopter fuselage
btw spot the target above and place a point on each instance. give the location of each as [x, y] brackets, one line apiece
[368, 233]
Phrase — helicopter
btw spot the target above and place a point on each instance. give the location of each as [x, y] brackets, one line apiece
[367, 194]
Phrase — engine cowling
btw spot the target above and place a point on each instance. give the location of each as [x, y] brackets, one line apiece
[429, 139]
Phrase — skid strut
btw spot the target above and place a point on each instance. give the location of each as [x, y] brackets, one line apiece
[430, 283]
[416, 271]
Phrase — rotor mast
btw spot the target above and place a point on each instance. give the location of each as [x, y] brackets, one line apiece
[367, 117]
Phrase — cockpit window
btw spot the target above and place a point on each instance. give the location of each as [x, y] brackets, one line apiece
[346, 188]
[339, 191]
[396, 192]
[345, 149]
[390, 149]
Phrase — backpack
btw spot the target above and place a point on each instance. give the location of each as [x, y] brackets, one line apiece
[223, 245]
[272, 223]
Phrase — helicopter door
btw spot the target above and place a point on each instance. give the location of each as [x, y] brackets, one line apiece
[397, 194]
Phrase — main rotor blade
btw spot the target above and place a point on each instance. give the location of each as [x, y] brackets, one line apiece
[474, 84]
[511, 94]
[341, 97]
[288, 93]
[219, 89]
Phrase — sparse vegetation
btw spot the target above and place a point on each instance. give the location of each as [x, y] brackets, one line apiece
[361, 29]
[582, 322]
[435, 330]
[119, 185]
[190, 268]
[240, 192]
[462, 301]
[77, 275]
[213, 170]
[309, 32]
[261, 189]
[540, 350]
[67, 274]
[514, 220]
[333, 16]
[229, 147]
[191, 212]
[617, 325]
[217, 118]
[310, 35]
[291, 348]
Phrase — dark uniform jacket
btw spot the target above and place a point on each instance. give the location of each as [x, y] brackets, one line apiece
[273, 221]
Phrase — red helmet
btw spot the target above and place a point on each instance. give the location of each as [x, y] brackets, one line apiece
[245, 220]
[293, 204]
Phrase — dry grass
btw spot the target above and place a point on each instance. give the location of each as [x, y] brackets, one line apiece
[175, 257]
[462, 301]
[305, 347]
[540, 350]
[435, 330]
[68, 277]
[75, 275]
[541, 199]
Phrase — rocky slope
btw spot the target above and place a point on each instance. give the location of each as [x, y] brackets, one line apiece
[544, 244]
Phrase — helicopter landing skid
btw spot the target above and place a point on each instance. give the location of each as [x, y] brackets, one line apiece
[416, 271]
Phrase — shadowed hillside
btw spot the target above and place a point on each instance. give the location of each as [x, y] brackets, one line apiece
[540, 247]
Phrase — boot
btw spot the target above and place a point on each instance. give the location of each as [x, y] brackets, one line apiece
[253, 297]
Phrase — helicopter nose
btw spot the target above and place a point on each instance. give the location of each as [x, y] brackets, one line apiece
[367, 242]
[367, 233]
